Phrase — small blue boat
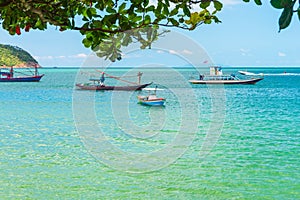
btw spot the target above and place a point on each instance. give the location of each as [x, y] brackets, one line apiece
[151, 99]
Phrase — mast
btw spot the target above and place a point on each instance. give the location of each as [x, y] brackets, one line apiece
[11, 72]
[35, 70]
[139, 77]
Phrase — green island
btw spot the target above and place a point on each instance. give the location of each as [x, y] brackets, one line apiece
[15, 56]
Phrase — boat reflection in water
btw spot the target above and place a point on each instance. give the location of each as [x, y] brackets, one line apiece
[216, 76]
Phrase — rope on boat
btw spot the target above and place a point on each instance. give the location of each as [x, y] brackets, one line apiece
[23, 73]
[115, 77]
[118, 78]
[94, 74]
[16, 72]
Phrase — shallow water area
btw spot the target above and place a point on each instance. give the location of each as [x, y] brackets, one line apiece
[255, 156]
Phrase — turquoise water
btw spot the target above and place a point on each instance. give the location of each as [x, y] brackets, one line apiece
[253, 154]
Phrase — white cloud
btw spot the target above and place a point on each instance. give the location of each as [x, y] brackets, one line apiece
[245, 52]
[185, 51]
[43, 57]
[80, 55]
[173, 52]
[231, 2]
[280, 54]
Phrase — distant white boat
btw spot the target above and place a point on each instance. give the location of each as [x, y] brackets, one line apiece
[216, 76]
[250, 73]
[273, 74]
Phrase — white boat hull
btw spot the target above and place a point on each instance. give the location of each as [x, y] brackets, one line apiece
[249, 81]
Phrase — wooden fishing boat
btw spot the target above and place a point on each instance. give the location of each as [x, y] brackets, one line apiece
[91, 86]
[98, 84]
[8, 75]
[151, 99]
[22, 79]
[216, 77]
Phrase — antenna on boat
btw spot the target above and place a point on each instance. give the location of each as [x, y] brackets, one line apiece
[139, 77]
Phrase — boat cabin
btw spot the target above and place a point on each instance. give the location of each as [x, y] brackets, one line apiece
[215, 71]
[151, 99]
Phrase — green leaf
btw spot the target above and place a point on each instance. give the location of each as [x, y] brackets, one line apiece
[145, 3]
[122, 7]
[276, 4]
[207, 21]
[158, 10]
[285, 18]
[166, 10]
[147, 19]
[149, 34]
[204, 4]
[174, 12]
[216, 19]
[138, 18]
[258, 2]
[298, 13]
[174, 22]
[279, 4]
[195, 18]
[186, 11]
[218, 6]
[126, 41]
[86, 42]
[246, 0]
[150, 8]
[167, 3]
[110, 10]
[91, 12]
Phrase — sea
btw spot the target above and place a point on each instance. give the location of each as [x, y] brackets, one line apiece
[207, 142]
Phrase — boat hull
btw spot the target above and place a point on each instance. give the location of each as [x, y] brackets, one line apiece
[250, 73]
[23, 79]
[249, 81]
[81, 86]
[154, 102]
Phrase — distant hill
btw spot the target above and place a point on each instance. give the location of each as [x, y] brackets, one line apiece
[15, 56]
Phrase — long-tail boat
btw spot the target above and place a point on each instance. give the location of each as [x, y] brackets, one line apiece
[98, 84]
[9, 75]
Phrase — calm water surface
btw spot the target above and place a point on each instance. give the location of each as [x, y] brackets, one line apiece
[256, 155]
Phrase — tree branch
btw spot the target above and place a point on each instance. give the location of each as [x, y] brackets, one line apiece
[120, 30]
[5, 3]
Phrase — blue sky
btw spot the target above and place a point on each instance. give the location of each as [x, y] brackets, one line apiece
[248, 36]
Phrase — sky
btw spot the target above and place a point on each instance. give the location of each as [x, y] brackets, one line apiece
[248, 36]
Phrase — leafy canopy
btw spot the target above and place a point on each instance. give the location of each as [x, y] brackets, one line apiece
[107, 25]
